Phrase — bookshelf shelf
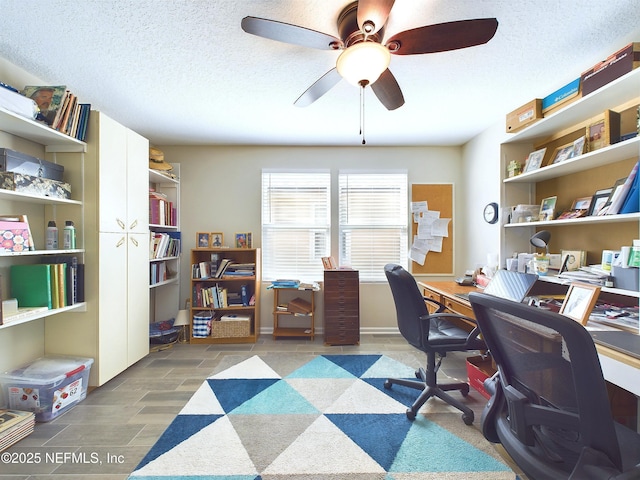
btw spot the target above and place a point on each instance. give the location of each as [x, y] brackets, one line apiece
[29, 315]
[25, 197]
[291, 324]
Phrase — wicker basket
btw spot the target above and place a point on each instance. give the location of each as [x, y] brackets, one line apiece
[231, 326]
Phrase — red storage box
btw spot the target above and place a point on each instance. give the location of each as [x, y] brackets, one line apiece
[478, 370]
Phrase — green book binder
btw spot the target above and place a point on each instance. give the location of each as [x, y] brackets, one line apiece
[31, 285]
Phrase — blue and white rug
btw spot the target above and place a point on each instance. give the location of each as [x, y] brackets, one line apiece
[328, 418]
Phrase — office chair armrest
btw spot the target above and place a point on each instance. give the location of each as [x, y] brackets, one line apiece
[440, 307]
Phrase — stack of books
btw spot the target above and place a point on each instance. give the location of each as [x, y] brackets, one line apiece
[14, 426]
[60, 109]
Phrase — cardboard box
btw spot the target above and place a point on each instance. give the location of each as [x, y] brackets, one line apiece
[478, 370]
[561, 97]
[48, 386]
[524, 116]
[43, 187]
[18, 162]
[616, 65]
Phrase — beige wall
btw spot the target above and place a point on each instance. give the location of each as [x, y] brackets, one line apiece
[220, 189]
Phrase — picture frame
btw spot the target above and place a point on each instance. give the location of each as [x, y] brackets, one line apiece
[579, 301]
[203, 240]
[243, 240]
[534, 161]
[603, 131]
[216, 239]
[599, 200]
[562, 153]
[578, 146]
[579, 208]
[547, 208]
[615, 191]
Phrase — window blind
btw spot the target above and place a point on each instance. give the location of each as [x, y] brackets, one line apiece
[296, 224]
[373, 212]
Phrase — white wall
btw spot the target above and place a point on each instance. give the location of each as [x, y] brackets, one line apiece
[481, 182]
[220, 188]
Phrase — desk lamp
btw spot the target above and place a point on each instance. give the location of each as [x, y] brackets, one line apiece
[541, 240]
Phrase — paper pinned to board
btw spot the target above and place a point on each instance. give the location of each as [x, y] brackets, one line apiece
[431, 229]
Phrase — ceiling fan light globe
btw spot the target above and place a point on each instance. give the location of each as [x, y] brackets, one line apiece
[363, 61]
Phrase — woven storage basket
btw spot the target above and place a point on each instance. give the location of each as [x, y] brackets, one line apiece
[227, 327]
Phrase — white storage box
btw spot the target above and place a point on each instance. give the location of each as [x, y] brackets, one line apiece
[47, 386]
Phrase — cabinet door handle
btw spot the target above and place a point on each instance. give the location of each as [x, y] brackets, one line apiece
[134, 241]
[133, 225]
[120, 223]
[120, 242]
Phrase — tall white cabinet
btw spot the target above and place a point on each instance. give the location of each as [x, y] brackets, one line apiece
[115, 328]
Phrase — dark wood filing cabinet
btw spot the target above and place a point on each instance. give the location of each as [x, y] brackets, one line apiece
[341, 307]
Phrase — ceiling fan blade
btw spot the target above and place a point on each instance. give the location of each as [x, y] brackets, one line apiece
[374, 13]
[319, 88]
[388, 91]
[287, 33]
[443, 36]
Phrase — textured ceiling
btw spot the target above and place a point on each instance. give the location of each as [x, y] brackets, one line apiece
[183, 71]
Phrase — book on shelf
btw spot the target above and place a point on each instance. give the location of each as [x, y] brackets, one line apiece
[299, 305]
[49, 98]
[31, 285]
[164, 244]
[224, 264]
[621, 192]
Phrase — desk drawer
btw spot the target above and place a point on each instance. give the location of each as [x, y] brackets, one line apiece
[458, 307]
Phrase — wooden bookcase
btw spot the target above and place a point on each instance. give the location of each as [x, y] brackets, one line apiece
[291, 324]
[233, 284]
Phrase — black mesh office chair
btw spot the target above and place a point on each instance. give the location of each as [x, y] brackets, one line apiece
[435, 335]
[549, 406]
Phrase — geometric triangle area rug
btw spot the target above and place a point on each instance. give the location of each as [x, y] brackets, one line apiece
[329, 418]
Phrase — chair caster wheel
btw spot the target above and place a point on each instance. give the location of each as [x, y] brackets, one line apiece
[465, 391]
[387, 384]
[417, 374]
[467, 418]
[411, 415]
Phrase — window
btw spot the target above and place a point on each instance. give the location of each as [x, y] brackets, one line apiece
[296, 224]
[373, 214]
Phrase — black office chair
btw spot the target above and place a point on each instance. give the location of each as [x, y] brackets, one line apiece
[549, 406]
[434, 334]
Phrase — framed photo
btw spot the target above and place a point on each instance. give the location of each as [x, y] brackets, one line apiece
[203, 240]
[217, 239]
[578, 146]
[598, 201]
[534, 161]
[243, 240]
[562, 153]
[604, 131]
[579, 301]
[547, 208]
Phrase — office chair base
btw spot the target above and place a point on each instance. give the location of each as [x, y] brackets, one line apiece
[438, 390]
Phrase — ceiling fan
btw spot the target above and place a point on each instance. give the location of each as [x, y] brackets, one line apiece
[365, 59]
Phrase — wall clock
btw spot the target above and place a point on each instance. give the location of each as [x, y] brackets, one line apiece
[491, 212]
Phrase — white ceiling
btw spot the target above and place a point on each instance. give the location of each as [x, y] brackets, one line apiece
[183, 71]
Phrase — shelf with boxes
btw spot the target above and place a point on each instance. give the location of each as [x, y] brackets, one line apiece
[294, 310]
[35, 191]
[586, 149]
[225, 295]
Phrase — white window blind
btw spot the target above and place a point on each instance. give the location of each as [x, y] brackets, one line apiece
[373, 214]
[296, 224]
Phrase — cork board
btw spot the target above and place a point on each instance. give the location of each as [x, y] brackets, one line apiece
[439, 197]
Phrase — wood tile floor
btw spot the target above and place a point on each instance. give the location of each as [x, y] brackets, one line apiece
[106, 435]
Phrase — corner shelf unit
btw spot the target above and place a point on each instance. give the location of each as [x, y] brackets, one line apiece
[234, 285]
[574, 178]
[68, 151]
[164, 271]
[290, 324]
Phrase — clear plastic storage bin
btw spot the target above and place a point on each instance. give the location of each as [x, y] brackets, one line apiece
[47, 386]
